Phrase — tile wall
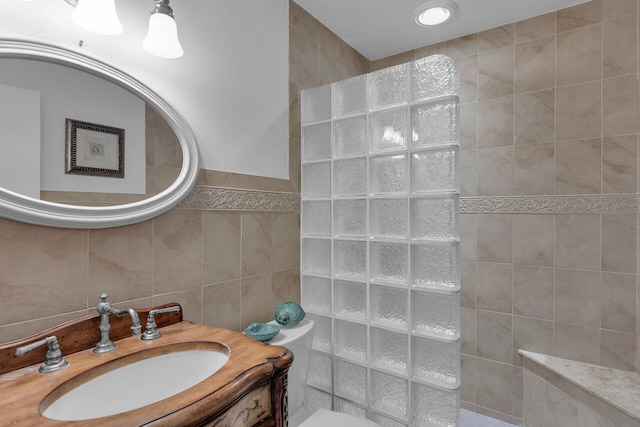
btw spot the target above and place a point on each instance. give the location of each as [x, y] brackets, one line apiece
[228, 266]
[549, 180]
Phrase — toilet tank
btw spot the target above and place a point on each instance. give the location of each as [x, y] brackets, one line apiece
[298, 340]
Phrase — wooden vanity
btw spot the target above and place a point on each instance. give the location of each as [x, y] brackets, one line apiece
[250, 389]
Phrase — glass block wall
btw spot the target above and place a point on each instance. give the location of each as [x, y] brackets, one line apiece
[380, 244]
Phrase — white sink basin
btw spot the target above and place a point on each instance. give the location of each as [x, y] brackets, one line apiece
[133, 385]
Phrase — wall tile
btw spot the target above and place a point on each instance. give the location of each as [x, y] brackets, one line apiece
[255, 290]
[533, 169]
[496, 37]
[579, 343]
[618, 350]
[468, 378]
[468, 236]
[578, 166]
[462, 46]
[578, 111]
[468, 173]
[536, 27]
[189, 299]
[285, 241]
[177, 251]
[495, 73]
[575, 297]
[620, 105]
[533, 410]
[221, 246]
[468, 126]
[619, 239]
[620, 50]
[579, 55]
[618, 302]
[256, 243]
[533, 335]
[495, 171]
[468, 283]
[120, 262]
[619, 164]
[494, 283]
[468, 331]
[534, 117]
[577, 242]
[517, 392]
[533, 291]
[495, 122]
[559, 408]
[578, 16]
[221, 305]
[495, 238]
[468, 71]
[535, 64]
[494, 337]
[493, 385]
[533, 239]
[612, 9]
[285, 287]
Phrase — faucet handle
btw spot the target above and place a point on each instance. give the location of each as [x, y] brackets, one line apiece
[53, 360]
[151, 331]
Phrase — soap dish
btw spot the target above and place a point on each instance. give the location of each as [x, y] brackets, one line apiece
[262, 331]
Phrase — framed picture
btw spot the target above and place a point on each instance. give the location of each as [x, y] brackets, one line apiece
[94, 149]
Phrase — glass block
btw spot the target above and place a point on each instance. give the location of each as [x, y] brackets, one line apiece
[350, 96]
[435, 123]
[435, 218]
[388, 218]
[351, 381]
[435, 75]
[350, 218]
[316, 142]
[388, 130]
[316, 180]
[389, 306]
[435, 407]
[436, 266]
[345, 407]
[350, 340]
[320, 373]
[350, 300]
[350, 177]
[316, 104]
[388, 87]
[387, 422]
[389, 350]
[436, 314]
[315, 256]
[436, 362]
[388, 262]
[388, 174]
[435, 170]
[316, 218]
[350, 136]
[350, 259]
[321, 340]
[316, 400]
[389, 394]
[316, 294]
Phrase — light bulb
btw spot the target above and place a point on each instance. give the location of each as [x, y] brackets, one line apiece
[162, 38]
[97, 16]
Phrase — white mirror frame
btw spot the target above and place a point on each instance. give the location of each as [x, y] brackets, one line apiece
[34, 211]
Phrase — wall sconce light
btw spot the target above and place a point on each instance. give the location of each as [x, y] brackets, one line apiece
[162, 38]
[99, 16]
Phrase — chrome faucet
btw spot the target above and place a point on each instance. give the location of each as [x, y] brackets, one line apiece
[53, 360]
[105, 309]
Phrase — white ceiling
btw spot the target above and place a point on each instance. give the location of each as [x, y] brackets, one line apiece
[381, 28]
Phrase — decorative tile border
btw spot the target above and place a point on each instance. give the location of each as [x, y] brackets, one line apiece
[215, 198]
[551, 204]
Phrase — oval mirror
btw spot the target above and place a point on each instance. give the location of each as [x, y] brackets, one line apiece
[101, 159]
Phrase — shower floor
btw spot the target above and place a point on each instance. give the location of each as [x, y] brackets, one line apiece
[471, 419]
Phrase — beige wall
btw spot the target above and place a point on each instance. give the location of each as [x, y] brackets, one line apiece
[550, 115]
[227, 268]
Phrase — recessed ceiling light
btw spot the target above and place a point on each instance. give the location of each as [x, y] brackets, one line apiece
[434, 13]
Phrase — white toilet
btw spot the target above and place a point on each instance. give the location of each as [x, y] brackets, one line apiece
[298, 340]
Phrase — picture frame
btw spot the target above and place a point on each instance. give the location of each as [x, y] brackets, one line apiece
[93, 149]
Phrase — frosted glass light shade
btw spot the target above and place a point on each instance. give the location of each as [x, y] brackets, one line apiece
[97, 16]
[162, 38]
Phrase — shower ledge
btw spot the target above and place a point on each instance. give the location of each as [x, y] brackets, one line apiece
[619, 389]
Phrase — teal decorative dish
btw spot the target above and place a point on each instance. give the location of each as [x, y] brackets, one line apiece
[262, 331]
[288, 314]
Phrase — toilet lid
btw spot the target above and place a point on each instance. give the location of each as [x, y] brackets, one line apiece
[324, 418]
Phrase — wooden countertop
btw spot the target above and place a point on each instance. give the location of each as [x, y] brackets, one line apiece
[250, 363]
